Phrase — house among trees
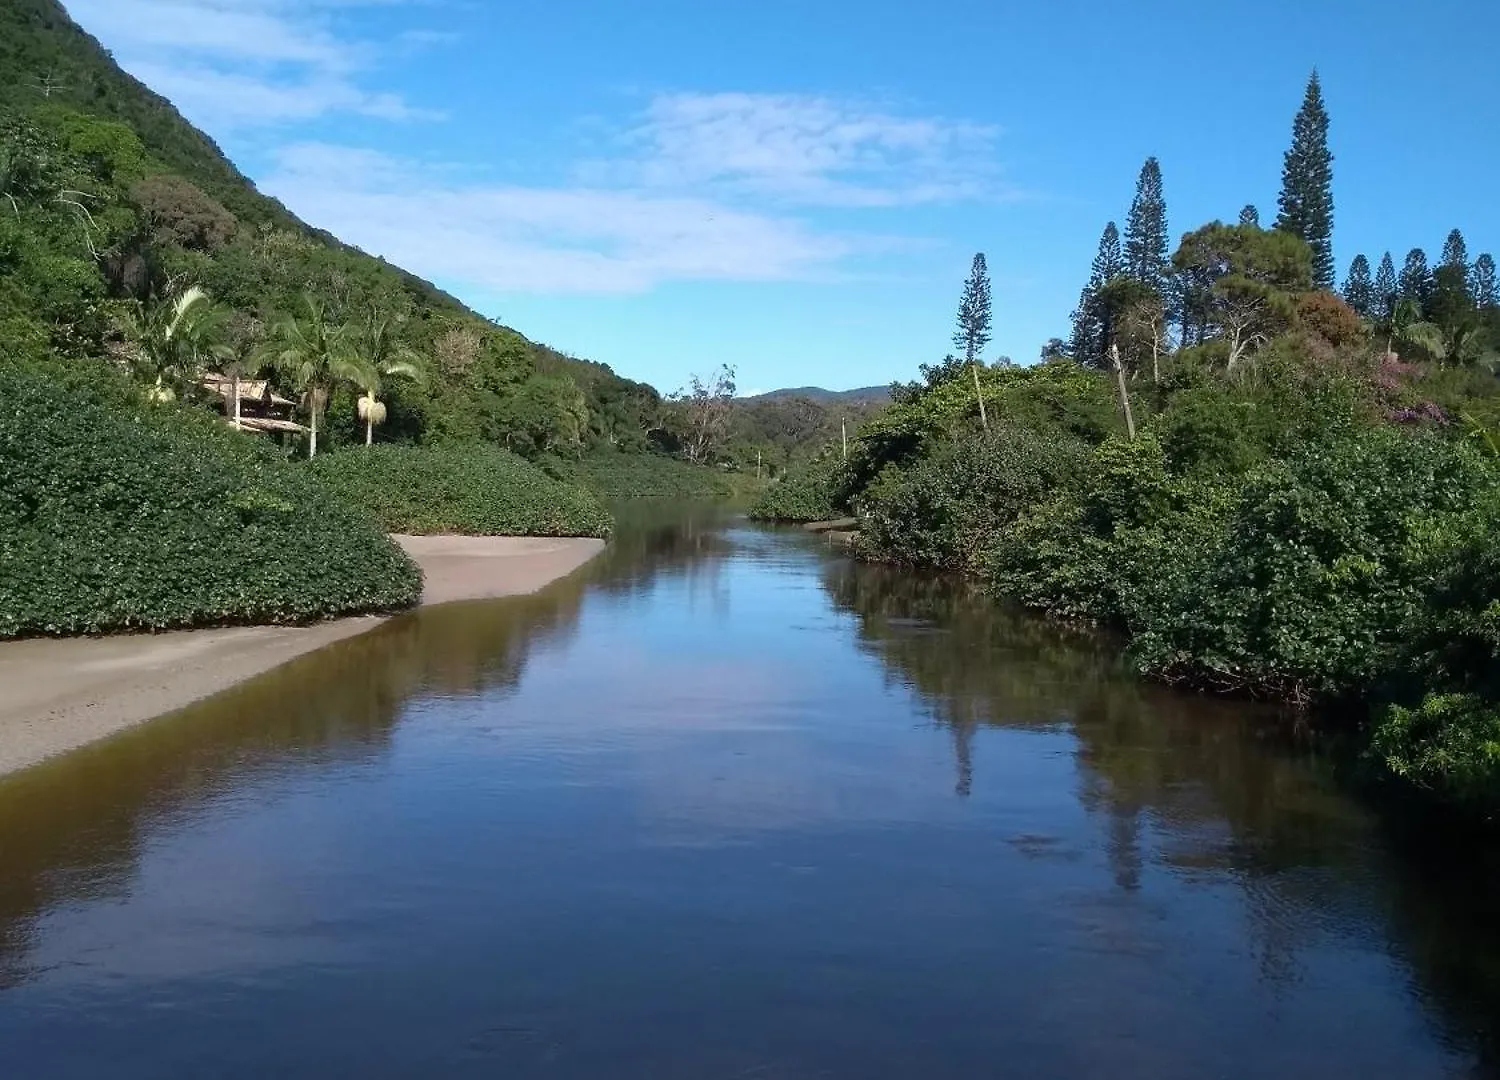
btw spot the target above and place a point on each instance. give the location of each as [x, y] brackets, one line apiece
[259, 407]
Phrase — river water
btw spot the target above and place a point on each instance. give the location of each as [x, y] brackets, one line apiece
[726, 805]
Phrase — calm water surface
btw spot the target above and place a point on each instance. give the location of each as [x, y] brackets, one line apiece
[725, 805]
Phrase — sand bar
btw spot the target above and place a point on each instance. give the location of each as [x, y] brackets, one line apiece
[59, 694]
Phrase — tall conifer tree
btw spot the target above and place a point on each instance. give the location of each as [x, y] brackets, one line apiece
[1091, 321]
[1359, 289]
[1146, 229]
[1249, 215]
[1305, 207]
[1482, 281]
[1416, 279]
[1456, 253]
[973, 331]
[1386, 288]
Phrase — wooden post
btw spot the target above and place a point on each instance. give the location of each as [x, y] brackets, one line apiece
[1114, 356]
[844, 436]
[757, 464]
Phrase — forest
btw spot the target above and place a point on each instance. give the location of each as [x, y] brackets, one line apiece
[1272, 485]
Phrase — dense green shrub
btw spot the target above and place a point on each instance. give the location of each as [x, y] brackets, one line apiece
[1447, 746]
[1312, 589]
[614, 475]
[475, 489]
[117, 516]
[1093, 551]
[805, 493]
[947, 508]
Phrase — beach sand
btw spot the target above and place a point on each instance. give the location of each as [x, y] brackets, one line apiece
[59, 694]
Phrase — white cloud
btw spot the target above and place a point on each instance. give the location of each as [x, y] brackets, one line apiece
[810, 150]
[508, 238]
[241, 63]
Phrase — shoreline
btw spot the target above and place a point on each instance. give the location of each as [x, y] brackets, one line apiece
[58, 694]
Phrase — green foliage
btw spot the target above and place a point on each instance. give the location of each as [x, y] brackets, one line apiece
[612, 475]
[803, 494]
[1447, 746]
[1312, 590]
[946, 508]
[474, 489]
[1305, 207]
[118, 516]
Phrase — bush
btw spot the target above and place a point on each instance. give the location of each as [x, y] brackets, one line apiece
[802, 494]
[1448, 746]
[946, 509]
[1120, 534]
[118, 516]
[1312, 588]
[614, 475]
[476, 489]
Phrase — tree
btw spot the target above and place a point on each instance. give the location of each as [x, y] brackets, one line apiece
[1249, 215]
[1305, 208]
[1456, 254]
[1387, 290]
[973, 331]
[314, 356]
[240, 356]
[1482, 281]
[1415, 283]
[171, 339]
[705, 409]
[1092, 321]
[1359, 290]
[1146, 229]
[1250, 280]
[1467, 344]
[380, 354]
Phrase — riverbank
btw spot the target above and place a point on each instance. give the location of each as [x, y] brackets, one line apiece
[59, 694]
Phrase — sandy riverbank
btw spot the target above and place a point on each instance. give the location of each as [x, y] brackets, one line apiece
[57, 695]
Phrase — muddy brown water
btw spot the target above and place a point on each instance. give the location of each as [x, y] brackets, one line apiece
[726, 804]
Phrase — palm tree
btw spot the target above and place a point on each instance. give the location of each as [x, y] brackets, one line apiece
[381, 355]
[314, 356]
[240, 358]
[171, 339]
[1463, 345]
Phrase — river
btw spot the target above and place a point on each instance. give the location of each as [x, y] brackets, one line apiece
[727, 804]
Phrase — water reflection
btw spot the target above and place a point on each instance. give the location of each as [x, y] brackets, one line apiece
[725, 804]
[1203, 790]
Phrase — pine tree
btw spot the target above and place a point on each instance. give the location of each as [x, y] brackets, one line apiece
[1305, 208]
[1482, 281]
[1091, 321]
[973, 331]
[1386, 288]
[1146, 229]
[1456, 253]
[1109, 260]
[1416, 280]
[1359, 290]
[1249, 215]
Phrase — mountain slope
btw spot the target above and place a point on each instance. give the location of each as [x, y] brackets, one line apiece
[166, 207]
[861, 395]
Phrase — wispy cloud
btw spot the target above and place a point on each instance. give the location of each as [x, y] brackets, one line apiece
[240, 63]
[507, 238]
[810, 150]
[710, 187]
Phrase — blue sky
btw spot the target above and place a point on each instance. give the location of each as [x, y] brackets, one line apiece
[796, 187]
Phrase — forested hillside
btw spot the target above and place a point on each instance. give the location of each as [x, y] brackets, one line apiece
[117, 208]
[1272, 488]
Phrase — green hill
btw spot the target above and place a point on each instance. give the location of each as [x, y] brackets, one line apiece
[113, 199]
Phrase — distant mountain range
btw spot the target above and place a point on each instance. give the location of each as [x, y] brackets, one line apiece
[861, 396]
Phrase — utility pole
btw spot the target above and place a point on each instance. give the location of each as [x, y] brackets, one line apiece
[1114, 356]
[844, 436]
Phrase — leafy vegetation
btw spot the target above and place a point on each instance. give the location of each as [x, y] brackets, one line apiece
[807, 494]
[1273, 490]
[121, 514]
[612, 475]
[475, 490]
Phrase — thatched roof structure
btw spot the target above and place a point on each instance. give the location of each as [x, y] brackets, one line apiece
[261, 408]
[251, 390]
